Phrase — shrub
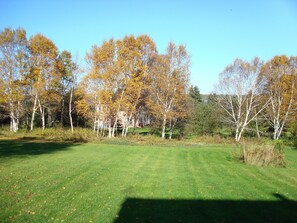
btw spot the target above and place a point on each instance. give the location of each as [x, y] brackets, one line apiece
[61, 135]
[79, 135]
[140, 140]
[215, 139]
[262, 155]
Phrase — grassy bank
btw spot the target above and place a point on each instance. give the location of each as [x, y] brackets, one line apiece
[63, 182]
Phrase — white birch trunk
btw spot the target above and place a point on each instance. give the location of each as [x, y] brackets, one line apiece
[13, 122]
[98, 126]
[62, 112]
[164, 127]
[42, 113]
[70, 109]
[127, 128]
[33, 113]
[114, 127]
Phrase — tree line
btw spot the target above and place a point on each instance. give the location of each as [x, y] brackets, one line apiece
[128, 83]
[124, 79]
[35, 79]
[260, 94]
[251, 97]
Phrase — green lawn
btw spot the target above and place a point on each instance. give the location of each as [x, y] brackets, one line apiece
[51, 182]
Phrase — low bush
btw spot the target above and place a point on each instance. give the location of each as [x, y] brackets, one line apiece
[140, 140]
[52, 134]
[65, 135]
[262, 155]
[212, 139]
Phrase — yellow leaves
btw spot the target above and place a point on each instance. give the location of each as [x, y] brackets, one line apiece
[117, 74]
[41, 46]
[169, 81]
[82, 108]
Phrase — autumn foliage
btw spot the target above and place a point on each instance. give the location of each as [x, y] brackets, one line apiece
[127, 83]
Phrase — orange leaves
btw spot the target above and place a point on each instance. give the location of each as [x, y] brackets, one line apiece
[46, 69]
[123, 72]
[281, 87]
[41, 46]
[116, 67]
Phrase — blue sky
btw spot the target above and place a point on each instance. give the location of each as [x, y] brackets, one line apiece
[215, 32]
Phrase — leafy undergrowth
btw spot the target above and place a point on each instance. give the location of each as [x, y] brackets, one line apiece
[142, 136]
[52, 134]
[47, 181]
[83, 135]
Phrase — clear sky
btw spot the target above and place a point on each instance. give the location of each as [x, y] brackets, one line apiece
[215, 32]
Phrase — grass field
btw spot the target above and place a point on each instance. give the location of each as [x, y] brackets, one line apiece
[56, 182]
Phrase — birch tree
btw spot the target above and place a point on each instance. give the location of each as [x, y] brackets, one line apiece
[89, 104]
[13, 71]
[69, 71]
[239, 94]
[168, 85]
[280, 75]
[134, 57]
[119, 68]
[103, 85]
[44, 78]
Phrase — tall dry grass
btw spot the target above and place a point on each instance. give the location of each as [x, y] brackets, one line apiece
[262, 155]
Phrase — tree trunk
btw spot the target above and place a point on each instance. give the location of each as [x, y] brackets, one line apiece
[62, 113]
[43, 118]
[102, 129]
[123, 128]
[98, 127]
[70, 109]
[127, 128]
[13, 123]
[17, 118]
[237, 134]
[33, 113]
[257, 128]
[164, 127]
[277, 133]
[240, 134]
[170, 131]
[276, 129]
[42, 115]
[114, 127]
[134, 125]
[12, 115]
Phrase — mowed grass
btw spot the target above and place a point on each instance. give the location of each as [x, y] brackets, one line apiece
[56, 182]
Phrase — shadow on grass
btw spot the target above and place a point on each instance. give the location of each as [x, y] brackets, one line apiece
[10, 148]
[175, 211]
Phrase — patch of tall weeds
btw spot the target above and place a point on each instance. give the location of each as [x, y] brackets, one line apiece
[262, 155]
